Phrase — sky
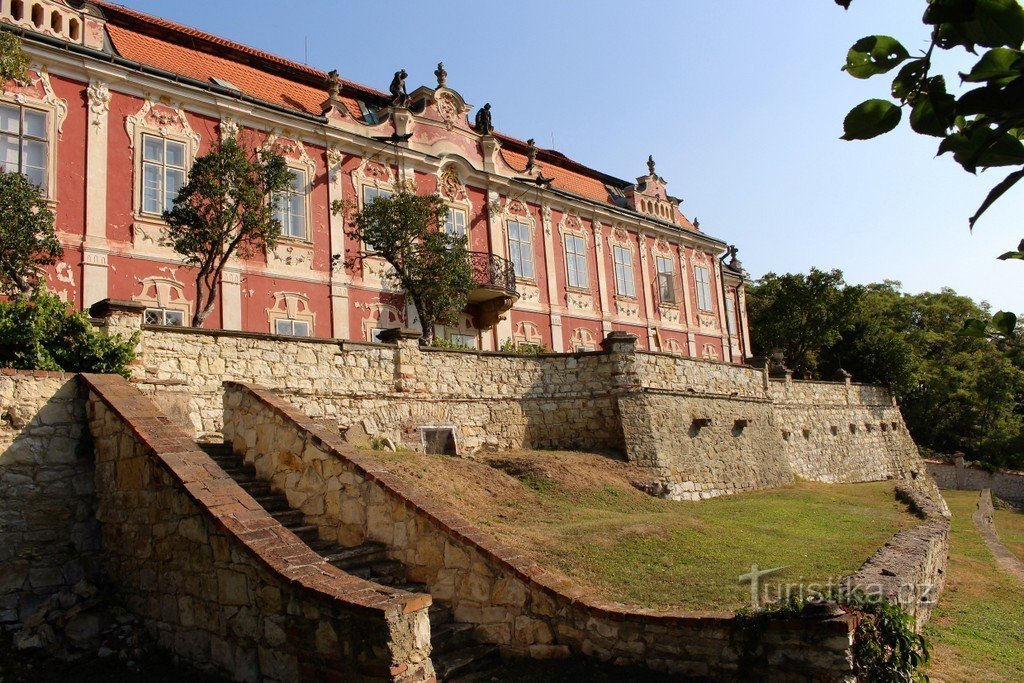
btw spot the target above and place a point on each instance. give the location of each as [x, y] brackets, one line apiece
[741, 102]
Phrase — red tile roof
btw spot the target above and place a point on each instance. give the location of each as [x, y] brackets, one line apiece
[196, 54]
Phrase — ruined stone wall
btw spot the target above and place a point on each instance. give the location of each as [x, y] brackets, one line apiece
[217, 580]
[843, 432]
[48, 535]
[511, 601]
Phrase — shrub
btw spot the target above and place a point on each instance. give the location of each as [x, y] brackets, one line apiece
[41, 333]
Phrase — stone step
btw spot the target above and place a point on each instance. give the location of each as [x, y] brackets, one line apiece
[273, 502]
[440, 613]
[445, 638]
[411, 587]
[287, 516]
[342, 557]
[464, 661]
[242, 475]
[386, 572]
[256, 488]
[305, 532]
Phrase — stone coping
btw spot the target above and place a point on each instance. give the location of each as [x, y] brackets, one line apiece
[971, 465]
[234, 510]
[508, 559]
[239, 334]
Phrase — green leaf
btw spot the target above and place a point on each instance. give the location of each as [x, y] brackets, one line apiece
[870, 119]
[997, 63]
[1005, 322]
[995, 193]
[874, 55]
[994, 23]
[934, 110]
[946, 11]
[983, 147]
[908, 79]
[973, 328]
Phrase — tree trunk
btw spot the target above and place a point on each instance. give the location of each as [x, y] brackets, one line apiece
[204, 301]
[427, 326]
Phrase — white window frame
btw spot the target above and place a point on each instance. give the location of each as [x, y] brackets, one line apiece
[23, 137]
[365, 201]
[702, 285]
[176, 128]
[666, 271]
[284, 214]
[451, 225]
[56, 110]
[164, 316]
[164, 168]
[576, 276]
[517, 258]
[625, 274]
[288, 327]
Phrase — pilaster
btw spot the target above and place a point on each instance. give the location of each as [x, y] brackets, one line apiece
[602, 277]
[554, 301]
[645, 283]
[94, 262]
[685, 275]
[336, 230]
[499, 246]
[231, 300]
[722, 323]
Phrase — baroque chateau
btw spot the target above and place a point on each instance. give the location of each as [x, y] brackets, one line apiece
[119, 104]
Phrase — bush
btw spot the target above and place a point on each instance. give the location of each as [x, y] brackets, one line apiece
[41, 333]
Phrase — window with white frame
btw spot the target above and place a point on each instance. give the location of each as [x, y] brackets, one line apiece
[520, 248]
[290, 206]
[576, 261]
[455, 223]
[23, 145]
[730, 315]
[702, 277]
[666, 280]
[370, 195]
[293, 328]
[163, 172]
[164, 316]
[622, 257]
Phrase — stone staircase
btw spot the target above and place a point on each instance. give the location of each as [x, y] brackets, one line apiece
[455, 653]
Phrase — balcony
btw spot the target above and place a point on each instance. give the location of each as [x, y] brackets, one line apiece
[495, 291]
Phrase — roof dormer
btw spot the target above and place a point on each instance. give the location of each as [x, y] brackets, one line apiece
[58, 19]
[648, 196]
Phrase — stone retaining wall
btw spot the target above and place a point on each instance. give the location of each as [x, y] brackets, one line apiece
[217, 580]
[910, 569]
[1005, 484]
[511, 600]
[48, 534]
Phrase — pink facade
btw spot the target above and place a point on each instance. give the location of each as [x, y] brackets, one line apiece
[133, 100]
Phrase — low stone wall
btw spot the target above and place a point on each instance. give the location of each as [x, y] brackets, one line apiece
[1005, 484]
[219, 582]
[512, 601]
[843, 432]
[910, 569]
[48, 534]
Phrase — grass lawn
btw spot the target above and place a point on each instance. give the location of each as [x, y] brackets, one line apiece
[977, 629]
[1010, 527]
[578, 514]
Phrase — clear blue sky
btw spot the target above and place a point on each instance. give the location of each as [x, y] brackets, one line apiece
[740, 101]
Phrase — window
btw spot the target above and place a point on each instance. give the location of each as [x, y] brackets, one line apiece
[467, 340]
[294, 328]
[520, 249]
[575, 261]
[165, 316]
[666, 280]
[370, 195]
[730, 315]
[702, 276]
[163, 172]
[455, 224]
[375, 334]
[290, 207]
[623, 258]
[23, 147]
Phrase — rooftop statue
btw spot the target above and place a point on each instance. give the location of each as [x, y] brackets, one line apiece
[650, 164]
[399, 97]
[482, 124]
[442, 75]
[333, 84]
[531, 154]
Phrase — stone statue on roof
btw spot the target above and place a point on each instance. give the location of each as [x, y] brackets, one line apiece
[482, 124]
[442, 75]
[650, 163]
[333, 84]
[531, 154]
[399, 97]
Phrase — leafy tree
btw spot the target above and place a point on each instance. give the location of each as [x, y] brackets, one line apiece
[13, 62]
[27, 237]
[433, 267]
[225, 209]
[40, 332]
[801, 314]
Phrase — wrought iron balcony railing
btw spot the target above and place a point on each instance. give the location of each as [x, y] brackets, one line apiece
[493, 272]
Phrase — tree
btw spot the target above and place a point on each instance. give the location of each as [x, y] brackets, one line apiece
[433, 267]
[801, 314]
[225, 208]
[13, 62]
[28, 240]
